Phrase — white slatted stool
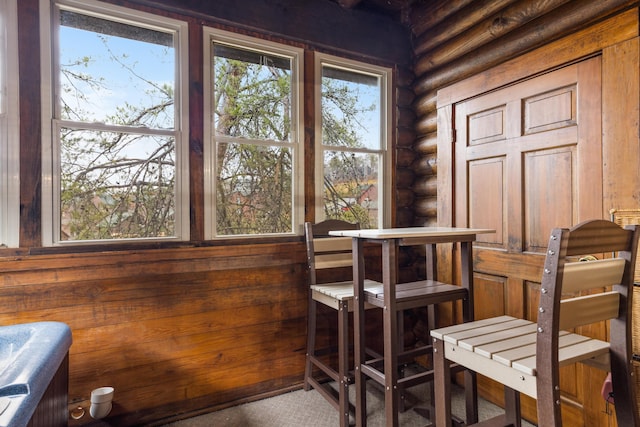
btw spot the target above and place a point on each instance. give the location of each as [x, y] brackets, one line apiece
[526, 356]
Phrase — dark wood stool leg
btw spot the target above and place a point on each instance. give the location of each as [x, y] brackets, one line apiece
[471, 396]
[311, 342]
[512, 407]
[442, 380]
[401, 367]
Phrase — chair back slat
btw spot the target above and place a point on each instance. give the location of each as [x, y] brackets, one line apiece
[598, 236]
[588, 309]
[332, 244]
[338, 260]
[581, 276]
[326, 252]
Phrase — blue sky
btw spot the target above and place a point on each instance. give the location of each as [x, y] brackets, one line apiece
[148, 62]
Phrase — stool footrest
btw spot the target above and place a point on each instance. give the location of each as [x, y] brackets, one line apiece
[417, 294]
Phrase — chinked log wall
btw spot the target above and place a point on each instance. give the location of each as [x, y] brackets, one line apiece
[459, 39]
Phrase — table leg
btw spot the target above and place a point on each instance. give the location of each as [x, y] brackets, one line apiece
[390, 329]
[359, 331]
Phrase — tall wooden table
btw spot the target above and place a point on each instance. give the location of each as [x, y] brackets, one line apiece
[391, 239]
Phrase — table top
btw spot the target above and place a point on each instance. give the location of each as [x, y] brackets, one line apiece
[408, 232]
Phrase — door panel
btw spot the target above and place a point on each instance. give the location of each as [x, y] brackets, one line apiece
[527, 159]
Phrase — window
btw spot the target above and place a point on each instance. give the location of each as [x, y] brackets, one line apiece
[254, 149]
[9, 146]
[352, 139]
[115, 165]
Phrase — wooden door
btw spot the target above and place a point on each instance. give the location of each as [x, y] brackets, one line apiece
[527, 159]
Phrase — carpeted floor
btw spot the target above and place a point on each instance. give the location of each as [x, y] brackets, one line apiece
[309, 409]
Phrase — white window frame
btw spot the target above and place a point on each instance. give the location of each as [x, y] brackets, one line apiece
[386, 132]
[297, 131]
[50, 146]
[9, 127]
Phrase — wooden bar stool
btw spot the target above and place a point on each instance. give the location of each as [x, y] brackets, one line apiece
[330, 255]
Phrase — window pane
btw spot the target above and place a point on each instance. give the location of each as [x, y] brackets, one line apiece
[115, 73]
[254, 189]
[350, 109]
[351, 187]
[116, 185]
[252, 96]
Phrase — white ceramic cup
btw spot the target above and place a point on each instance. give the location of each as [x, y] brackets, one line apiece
[101, 402]
[99, 410]
[102, 394]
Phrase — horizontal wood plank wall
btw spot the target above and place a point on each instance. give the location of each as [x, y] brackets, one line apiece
[460, 47]
[183, 330]
[172, 330]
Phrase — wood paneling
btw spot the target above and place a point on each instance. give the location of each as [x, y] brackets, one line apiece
[186, 329]
[169, 328]
[323, 23]
[615, 39]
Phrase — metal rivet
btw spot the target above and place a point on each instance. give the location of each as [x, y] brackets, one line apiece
[541, 310]
[554, 237]
[541, 330]
[547, 271]
[551, 252]
[522, 377]
[543, 290]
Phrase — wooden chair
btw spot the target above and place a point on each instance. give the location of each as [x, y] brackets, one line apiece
[330, 253]
[526, 356]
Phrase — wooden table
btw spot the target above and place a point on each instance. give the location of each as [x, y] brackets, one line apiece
[390, 239]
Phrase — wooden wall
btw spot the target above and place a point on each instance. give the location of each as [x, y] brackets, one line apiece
[188, 328]
[459, 39]
[178, 329]
[172, 330]
[467, 48]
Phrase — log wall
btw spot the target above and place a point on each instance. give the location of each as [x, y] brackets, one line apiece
[464, 38]
[457, 59]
